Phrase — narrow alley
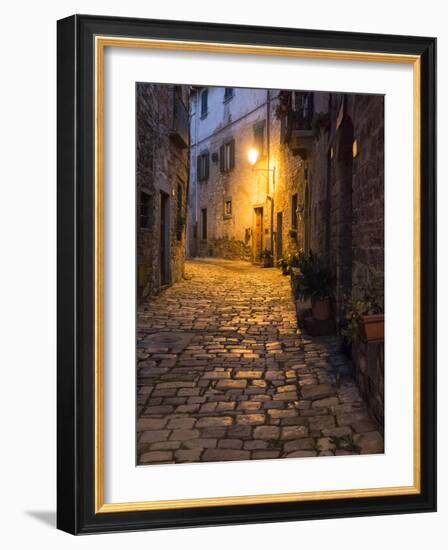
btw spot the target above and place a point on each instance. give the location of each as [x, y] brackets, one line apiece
[224, 373]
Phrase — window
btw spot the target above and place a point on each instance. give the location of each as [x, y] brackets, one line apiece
[145, 210]
[228, 208]
[204, 103]
[203, 168]
[294, 205]
[204, 224]
[227, 156]
[228, 93]
[259, 137]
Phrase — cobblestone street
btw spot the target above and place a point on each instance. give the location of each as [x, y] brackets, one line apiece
[224, 374]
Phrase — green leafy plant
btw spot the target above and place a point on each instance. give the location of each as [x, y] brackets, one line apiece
[315, 279]
[283, 264]
[266, 254]
[369, 302]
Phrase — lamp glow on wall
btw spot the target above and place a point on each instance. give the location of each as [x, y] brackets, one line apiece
[252, 156]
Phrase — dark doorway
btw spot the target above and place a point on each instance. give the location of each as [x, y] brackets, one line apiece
[165, 275]
[258, 234]
[279, 235]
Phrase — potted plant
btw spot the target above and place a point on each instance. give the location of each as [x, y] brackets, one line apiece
[315, 281]
[283, 264]
[364, 316]
[266, 258]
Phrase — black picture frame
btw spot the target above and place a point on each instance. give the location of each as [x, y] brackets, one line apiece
[76, 263]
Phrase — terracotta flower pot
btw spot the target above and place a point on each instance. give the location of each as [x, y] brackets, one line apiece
[321, 309]
[373, 327]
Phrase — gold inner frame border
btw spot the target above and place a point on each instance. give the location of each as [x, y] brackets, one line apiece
[100, 43]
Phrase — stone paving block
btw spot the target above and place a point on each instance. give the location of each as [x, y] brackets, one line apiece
[156, 456]
[340, 431]
[266, 432]
[250, 419]
[218, 455]
[144, 424]
[318, 391]
[287, 396]
[212, 421]
[366, 425]
[188, 455]
[181, 423]
[299, 444]
[282, 413]
[255, 444]
[200, 443]
[230, 443]
[324, 403]
[317, 423]
[369, 443]
[231, 384]
[248, 374]
[184, 435]
[240, 432]
[154, 436]
[165, 446]
[294, 432]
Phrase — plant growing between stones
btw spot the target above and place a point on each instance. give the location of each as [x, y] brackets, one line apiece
[345, 443]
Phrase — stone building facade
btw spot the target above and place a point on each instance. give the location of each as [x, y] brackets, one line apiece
[317, 184]
[162, 184]
[229, 212]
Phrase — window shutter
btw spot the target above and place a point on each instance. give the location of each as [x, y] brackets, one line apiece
[221, 158]
[232, 154]
[198, 168]
[207, 166]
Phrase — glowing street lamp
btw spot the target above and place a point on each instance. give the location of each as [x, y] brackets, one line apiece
[252, 155]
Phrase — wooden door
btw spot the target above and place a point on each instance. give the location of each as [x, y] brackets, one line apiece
[258, 234]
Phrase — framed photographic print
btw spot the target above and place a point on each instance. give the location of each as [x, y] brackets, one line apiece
[246, 267]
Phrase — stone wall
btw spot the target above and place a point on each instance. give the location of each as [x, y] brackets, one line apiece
[347, 189]
[368, 363]
[368, 191]
[162, 171]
